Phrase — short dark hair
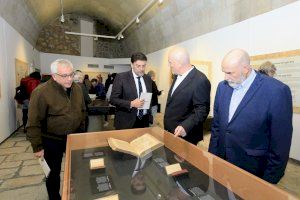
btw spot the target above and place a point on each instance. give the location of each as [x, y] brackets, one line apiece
[35, 75]
[138, 56]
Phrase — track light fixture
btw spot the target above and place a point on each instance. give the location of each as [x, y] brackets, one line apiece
[137, 20]
[62, 17]
[119, 35]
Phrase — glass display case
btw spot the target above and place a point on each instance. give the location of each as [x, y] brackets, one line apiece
[200, 176]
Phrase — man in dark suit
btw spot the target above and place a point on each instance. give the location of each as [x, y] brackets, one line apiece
[252, 126]
[125, 95]
[188, 99]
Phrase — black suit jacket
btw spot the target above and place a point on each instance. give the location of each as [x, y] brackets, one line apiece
[189, 106]
[123, 92]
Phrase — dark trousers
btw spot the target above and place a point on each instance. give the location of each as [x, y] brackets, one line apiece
[141, 123]
[25, 117]
[53, 153]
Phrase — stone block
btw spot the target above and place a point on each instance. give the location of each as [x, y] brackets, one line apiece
[17, 139]
[30, 162]
[7, 173]
[2, 158]
[20, 156]
[31, 170]
[22, 144]
[7, 144]
[27, 193]
[21, 182]
[12, 150]
[13, 164]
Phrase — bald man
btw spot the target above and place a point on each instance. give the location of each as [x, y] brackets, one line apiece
[252, 126]
[188, 99]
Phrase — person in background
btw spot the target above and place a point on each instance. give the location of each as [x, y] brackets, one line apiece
[78, 78]
[126, 92]
[87, 82]
[29, 83]
[252, 124]
[107, 82]
[109, 89]
[108, 93]
[56, 109]
[94, 83]
[100, 89]
[268, 69]
[155, 94]
[188, 102]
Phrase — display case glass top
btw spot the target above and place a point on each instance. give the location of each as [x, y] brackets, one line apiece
[175, 170]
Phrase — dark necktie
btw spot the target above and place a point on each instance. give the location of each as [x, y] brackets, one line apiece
[140, 112]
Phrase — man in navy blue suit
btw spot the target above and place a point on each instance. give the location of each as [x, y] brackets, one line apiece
[252, 126]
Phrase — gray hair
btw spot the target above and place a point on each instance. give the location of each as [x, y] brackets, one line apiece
[62, 63]
[267, 68]
[78, 77]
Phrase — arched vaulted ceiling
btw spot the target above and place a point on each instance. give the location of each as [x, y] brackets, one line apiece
[161, 25]
[114, 13]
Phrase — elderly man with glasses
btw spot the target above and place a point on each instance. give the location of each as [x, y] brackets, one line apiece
[56, 109]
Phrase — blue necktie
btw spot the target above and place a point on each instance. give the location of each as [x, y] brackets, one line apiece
[140, 112]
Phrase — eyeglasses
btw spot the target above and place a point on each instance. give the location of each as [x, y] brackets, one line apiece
[66, 75]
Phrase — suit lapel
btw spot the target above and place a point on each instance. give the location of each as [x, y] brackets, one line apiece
[248, 96]
[148, 84]
[131, 83]
[170, 91]
[226, 101]
[185, 82]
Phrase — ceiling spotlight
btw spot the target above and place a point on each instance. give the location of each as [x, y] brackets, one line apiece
[62, 18]
[160, 1]
[137, 20]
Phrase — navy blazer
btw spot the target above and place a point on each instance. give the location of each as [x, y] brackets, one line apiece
[123, 92]
[258, 137]
[189, 106]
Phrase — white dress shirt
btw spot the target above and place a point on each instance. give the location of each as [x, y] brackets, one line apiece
[137, 86]
[179, 79]
[239, 93]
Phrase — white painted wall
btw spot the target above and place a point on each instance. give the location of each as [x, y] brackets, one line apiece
[86, 43]
[81, 63]
[274, 31]
[12, 45]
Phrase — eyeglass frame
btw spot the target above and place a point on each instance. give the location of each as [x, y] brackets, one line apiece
[66, 75]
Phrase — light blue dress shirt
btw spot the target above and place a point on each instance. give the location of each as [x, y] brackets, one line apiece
[239, 93]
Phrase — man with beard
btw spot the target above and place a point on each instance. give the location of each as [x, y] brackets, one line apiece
[252, 126]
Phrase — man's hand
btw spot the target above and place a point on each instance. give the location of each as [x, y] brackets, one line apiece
[137, 103]
[39, 154]
[179, 131]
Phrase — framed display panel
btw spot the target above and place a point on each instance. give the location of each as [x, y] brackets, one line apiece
[203, 66]
[288, 71]
[215, 177]
[21, 71]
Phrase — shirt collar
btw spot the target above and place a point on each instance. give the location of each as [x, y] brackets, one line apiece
[186, 73]
[134, 75]
[248, 80]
